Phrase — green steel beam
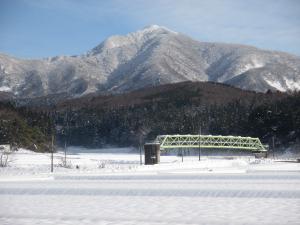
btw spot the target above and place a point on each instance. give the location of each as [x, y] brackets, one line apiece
[210, 141]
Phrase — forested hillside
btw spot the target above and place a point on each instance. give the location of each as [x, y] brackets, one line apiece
[181, 108]
[136, 117]
[24, 128]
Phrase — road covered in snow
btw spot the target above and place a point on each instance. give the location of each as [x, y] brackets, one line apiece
[113, 188]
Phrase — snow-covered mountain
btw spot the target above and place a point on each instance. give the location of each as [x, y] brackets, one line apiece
[149, 57]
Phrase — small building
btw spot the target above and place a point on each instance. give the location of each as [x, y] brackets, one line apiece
[152, 153]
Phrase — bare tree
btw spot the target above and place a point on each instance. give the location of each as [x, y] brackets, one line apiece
[5, 155]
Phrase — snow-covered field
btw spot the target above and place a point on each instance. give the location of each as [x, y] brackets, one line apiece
[111, 187]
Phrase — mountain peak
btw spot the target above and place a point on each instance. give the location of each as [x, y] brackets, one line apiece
[154, 27]
[116, 41]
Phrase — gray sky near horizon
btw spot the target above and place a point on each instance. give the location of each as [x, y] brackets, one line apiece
[42, 28]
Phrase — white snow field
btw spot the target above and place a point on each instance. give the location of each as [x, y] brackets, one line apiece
[113, 188]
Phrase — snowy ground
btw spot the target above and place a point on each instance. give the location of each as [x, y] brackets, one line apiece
[113, 188]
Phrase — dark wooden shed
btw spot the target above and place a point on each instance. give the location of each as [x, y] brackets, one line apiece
[152, 153]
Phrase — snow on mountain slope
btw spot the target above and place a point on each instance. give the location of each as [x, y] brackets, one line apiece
[151, 56]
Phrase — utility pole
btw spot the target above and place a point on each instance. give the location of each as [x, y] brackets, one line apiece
[66, 138]
[200, 143]
[52, 150]
[65, 150]
[273, 149]
[141, 158]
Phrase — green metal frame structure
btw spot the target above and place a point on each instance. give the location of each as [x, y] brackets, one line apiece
[210, 141]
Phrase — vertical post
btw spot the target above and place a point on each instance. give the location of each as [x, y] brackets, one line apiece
[66, 138]
[52, 150]
[65, 151]
[273, 149]
[141, 160]
[181, 155]
[200, 143]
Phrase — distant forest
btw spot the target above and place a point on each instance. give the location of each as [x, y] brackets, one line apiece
[131, 119]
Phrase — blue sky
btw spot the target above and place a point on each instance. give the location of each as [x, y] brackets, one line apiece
[42, 28]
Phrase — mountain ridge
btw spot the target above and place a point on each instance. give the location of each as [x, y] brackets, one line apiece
[152, 56]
